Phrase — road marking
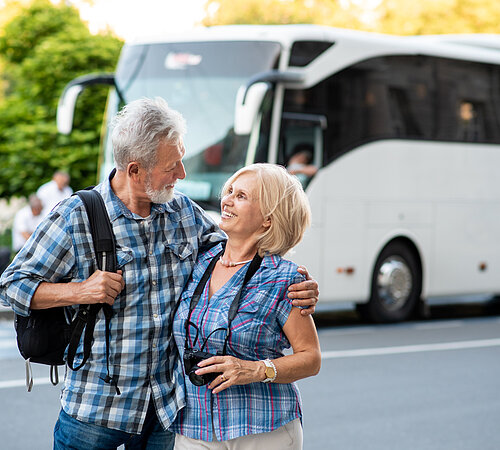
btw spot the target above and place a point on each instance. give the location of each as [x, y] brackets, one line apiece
[343, 354]
[17, 383]
[411, 349]
[347, 331]
[438, 325]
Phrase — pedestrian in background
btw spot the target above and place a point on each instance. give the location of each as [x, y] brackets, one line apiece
[54, 191]
[25, 222]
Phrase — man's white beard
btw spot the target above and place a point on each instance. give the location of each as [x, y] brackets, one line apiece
[162, 196]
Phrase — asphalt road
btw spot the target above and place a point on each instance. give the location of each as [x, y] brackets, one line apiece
[427, 385]
[423, 385]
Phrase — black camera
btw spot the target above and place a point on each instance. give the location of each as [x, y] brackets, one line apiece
[191, 360]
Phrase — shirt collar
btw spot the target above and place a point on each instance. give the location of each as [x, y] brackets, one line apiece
[114, 205]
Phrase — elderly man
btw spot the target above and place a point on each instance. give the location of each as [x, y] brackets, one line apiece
[159, 233]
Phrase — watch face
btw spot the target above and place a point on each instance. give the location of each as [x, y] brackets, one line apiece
[269, 372]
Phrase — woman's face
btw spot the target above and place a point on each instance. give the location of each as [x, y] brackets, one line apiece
[240, 209]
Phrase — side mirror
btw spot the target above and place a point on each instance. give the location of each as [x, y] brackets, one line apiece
[66, 108]
[248, 102]
[67, 102]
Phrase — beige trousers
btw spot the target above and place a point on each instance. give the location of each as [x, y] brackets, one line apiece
[287, 437]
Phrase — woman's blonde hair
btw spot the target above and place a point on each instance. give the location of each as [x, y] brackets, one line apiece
[283, 200]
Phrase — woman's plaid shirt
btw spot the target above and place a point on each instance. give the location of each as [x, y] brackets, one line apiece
[256, 334]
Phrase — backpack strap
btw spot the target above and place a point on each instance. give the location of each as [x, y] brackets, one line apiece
[105, 249]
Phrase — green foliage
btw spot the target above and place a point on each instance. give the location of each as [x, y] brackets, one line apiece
[408, 17]
[34, 24]
[405, 17]
[43, 48]
[275, 12]
[6, 238]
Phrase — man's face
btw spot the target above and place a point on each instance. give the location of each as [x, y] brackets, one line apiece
[61, 180]
[36, 210]
[160, 180]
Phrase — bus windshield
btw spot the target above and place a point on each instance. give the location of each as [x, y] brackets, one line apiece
[200, 80]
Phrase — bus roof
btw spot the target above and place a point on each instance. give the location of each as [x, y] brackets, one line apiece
[486, 41]
[477, 47]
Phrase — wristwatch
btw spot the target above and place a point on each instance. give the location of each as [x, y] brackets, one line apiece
[270, 372]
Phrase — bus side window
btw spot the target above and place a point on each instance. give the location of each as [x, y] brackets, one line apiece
[301, 144]
[301, 162]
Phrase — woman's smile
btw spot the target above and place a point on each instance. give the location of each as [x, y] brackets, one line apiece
[240, 208]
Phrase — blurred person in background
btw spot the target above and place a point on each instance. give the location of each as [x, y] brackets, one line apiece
[25, 222]
[54, 191]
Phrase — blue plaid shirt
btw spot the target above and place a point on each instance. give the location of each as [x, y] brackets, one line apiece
[256, 334]
[157, 255]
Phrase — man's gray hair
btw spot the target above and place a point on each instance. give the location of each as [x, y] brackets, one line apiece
[140, 127]
[34, 201]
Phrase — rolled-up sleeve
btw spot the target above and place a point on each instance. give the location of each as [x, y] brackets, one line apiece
[284, 305]
[47, 256]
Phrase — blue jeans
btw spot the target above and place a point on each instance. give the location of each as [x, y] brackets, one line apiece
[70, 433]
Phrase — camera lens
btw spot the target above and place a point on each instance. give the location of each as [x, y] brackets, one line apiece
[191, 360]
[197, 380]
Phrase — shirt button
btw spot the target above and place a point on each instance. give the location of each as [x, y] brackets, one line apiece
[150, 252]
[154, 345]
[155, 316]
[154, 283]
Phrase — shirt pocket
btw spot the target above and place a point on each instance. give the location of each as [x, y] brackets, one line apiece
[123, 257]
[247, 318]
[88, 263]
[179, 261]
[182, 250]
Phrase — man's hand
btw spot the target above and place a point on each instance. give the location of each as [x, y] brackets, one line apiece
[101, 287]
[305, 293]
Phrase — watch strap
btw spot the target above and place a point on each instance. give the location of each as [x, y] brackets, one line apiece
[270, 364]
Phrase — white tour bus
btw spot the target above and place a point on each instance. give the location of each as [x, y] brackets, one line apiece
[405, 133]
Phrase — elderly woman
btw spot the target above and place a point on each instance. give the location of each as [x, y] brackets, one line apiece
[234, 321]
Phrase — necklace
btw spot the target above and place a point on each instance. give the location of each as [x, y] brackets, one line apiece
[227, 263]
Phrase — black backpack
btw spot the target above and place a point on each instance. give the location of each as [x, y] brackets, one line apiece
[43, 336]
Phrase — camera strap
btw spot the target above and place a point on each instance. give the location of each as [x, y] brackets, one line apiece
[233, 309]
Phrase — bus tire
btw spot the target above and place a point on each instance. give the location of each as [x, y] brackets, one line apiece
[396, 285]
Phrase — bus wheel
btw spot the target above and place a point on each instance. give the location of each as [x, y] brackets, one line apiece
[396, 285]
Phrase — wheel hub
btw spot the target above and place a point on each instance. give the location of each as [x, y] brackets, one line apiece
[394, 283]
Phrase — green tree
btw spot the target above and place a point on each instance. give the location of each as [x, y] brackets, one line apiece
[276, 12]
[9, 9]
[405, 17]
[43, 48]
[408, 17]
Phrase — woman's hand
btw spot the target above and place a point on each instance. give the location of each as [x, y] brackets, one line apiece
[233, 371]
